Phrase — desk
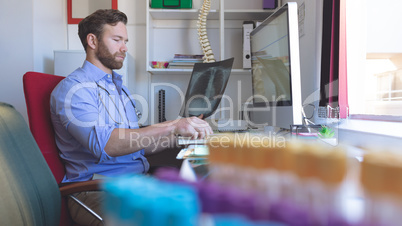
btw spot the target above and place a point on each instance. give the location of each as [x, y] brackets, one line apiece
[165, 158]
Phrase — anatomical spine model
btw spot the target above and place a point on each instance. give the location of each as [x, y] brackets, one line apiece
[202, 32]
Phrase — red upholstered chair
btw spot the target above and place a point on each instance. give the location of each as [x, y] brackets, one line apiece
[37, 90]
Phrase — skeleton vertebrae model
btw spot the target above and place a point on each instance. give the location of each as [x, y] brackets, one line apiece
[202, 32]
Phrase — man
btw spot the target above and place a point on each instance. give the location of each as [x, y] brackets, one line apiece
[95, 119]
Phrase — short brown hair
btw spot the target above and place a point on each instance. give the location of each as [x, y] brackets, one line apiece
[95, 22]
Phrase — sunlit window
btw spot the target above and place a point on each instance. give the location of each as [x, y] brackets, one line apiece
[374, 45]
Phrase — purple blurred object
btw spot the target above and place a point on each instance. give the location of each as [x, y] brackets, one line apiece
[244, 204]
[334, 220]
[212, 197]
[168, 174]
[289, 214]
[269, 4]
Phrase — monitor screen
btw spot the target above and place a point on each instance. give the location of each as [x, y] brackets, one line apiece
[276, 69]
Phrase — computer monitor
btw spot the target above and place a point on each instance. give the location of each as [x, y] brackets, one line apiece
[276, 69]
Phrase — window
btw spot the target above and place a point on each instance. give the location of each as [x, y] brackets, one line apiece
[374, 56]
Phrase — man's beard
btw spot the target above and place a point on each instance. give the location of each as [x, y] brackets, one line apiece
[108, 59]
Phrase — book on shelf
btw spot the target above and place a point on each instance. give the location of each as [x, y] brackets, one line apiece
[185, 61]
[190, 63]
[182, 64]
[181, 67]
[188, 56]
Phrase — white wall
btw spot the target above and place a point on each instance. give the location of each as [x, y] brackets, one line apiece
[49, 32]
[30, 32]
[136, 28]
[384, 37]
[16, 50]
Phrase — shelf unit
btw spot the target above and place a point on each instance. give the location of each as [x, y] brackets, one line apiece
[171, 31]
[155, 71]
[218, 22]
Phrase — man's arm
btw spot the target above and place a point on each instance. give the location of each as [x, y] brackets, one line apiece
[127, 141]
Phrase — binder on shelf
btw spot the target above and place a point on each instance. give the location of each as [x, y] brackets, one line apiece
[269, 4]
[172, 4]
[248, 26]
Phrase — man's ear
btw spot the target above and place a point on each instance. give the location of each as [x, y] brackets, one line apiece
[92, 41]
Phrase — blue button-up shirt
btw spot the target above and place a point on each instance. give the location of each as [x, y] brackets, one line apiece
[86, 107]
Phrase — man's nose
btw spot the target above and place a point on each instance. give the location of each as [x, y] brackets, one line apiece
[124, 47]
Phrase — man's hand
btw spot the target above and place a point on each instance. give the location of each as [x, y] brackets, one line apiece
[193, 127]
[145, 138]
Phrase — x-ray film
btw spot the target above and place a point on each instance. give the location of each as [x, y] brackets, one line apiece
[206, 87]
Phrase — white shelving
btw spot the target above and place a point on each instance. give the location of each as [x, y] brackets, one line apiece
[251, 14]
[188, 71]
[182, 23]
[172, 31]
[192, 14]
[180, 14]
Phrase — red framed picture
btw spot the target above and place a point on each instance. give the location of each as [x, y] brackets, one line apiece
[72, 20]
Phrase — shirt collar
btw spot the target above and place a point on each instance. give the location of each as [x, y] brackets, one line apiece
[94, 73]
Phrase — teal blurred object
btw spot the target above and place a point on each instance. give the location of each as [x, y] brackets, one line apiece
[172, 4]
[239, 220]
[145, 201]
[29, 192]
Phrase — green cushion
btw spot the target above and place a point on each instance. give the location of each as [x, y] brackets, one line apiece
[29, 194]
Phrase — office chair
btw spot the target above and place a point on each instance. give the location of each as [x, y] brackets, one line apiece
[37, 90]
[29, 192]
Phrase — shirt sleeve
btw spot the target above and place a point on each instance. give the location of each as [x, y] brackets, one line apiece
[77, 107]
